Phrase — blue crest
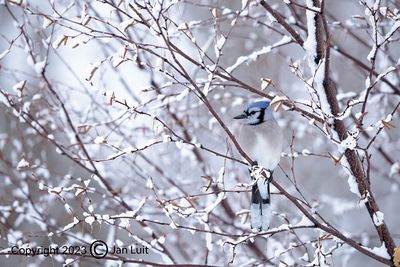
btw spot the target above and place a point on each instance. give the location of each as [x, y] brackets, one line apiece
[264, 104]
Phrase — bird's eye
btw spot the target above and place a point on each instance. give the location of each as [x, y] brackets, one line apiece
[252, 113]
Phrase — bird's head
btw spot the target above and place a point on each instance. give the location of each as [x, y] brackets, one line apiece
[255, 113]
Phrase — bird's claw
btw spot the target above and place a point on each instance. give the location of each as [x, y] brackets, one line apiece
[256, 171]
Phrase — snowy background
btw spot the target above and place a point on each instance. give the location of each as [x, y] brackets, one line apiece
[111, 128]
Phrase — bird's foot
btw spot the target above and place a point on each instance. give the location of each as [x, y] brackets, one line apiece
[254, 164]
[257, 172]
[269, 175]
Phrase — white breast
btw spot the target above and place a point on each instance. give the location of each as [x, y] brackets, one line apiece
[262, 143]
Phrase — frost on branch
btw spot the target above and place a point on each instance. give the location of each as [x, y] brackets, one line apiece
[378, 218]
[315, 63]
[253, 56]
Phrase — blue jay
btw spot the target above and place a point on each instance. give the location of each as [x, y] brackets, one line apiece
[261, 138]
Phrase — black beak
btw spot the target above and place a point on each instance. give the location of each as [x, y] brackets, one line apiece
[240, 117]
